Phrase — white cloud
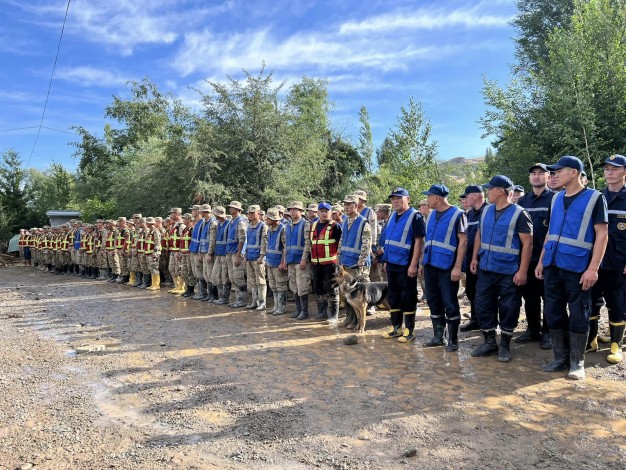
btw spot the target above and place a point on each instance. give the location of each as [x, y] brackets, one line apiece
[91, 76]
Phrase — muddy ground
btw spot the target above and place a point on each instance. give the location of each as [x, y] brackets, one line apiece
[96, 375]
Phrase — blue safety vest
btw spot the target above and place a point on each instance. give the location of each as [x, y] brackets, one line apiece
[232, 243]
[220, 238]
[204, 236]
[274, 247]
[194, 244]
[399, 237]
[441, 239]
[253, 238]
[351, 242]
[571, 233]
[77, 236]
[499, 240]
[294, 236]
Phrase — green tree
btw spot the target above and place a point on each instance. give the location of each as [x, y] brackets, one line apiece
[366, 144]
[13, 179]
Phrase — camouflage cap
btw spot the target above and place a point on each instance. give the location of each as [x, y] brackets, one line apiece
[312, 207]
[158, 219]
[131, 222]
[235, 205]
[383, 207]
[195, 207]
[100, 221]
[273, 214]
[423, 202]
[121, 219]
[176, 210]
[296, 205]
[350, 199]
[150, 221]
[219, 211]
[280, 208]
[254, 208]
[187, 215]
[361, 194]
[337, 208]
[136, 216]
[205, 208]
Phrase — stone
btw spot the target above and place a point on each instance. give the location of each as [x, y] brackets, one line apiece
[351, 340]
[410, 452]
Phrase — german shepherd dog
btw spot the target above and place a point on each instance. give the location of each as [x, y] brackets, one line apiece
[360, 296]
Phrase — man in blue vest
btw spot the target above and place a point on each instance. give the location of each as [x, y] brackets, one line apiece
[220, 270]
[355, 250]
[370, 215]
[444, 252]
[206, 250]
[611, 285]
[569, 263]
[475, 201]
[296, 258]
[276, 277]
[235, 242]
[536, 204]
[255, 252]
[404, 238]
[502, 250]
[194, 251]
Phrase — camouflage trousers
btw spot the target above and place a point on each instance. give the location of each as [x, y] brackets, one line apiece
[196, 265]
[103, 262]
[362, 273]
[236, 274]
[152, 263]
[74, 256]
[113, 258]
[206, 267]
[255, 274]
[277, 279]
[143, 264]
[124, 263]
[186, 270]
[219, 275]
[174, 266]
[299, 279]
[377, 273]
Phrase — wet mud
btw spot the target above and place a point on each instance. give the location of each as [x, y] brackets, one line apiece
[96, 375]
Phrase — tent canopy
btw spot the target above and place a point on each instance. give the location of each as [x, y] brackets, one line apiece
[14, 244]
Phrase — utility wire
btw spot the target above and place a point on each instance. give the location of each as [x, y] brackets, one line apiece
[36, 127]
[49, 85]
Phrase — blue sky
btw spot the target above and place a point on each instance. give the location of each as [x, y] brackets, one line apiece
[374, 53]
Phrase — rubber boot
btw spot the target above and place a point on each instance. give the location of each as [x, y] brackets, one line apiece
[112, 276]
[131, 279]
[504, 350]
[275, 307]
[261, 298]
[439, 328]
[296, 314]
[617, 337]
[592, 340]
[560, 346]
[210, 296]
[322, 309]
[201, 290]
[49, 268]
[156, 282]
[395, 330]
[120, 278]
[350, 316]
[453, 336]
[529, 336]
[409, 328]
[220, 289]
[81, 271]
[226, 293]
[489, 347]
[94, 273]
[333, 311]
[138, 279]
[282, 303]
[304, 306]
[102, 274]
[545, 342]
[241, 296]
[144, 281]
[577, 345]
[189, 290]
[471, 325]
[180, 285]
[254, 301]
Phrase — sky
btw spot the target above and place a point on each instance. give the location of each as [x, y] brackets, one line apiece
[376, 54]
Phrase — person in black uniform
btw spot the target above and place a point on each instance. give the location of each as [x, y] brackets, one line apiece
[611, 285]
[536, 204]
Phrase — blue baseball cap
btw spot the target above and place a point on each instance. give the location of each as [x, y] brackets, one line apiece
[437, 190]
[399, 192]
[519, 188]
[473, 188]
[324, 205]
[499, 181]
[568, 161]
[540, 166]
[615, 160]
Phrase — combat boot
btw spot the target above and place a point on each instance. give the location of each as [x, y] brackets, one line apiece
[189, 290]
[592, 338]
[546, 341]
[322, 308]
[220, 295]
[253, 300]
[241, 302]
[453, 336]
[529, 336]
[144, 281]
[577, 345]
[120, 279]
[138, 279]
[296, 314]
[617, 337]
[275, 307]
[226, 293]
[471, 325]
[209, 293]
[112, 276]
[156, 282]
[489, 347]
[261, 298]
[304, 307]
[504, 350]
[94, 273]
[202, 290]
[282, 303]
[439, 329]
[560, 346]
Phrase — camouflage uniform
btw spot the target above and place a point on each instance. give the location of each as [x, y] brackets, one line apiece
[234, 260]
[256, 237]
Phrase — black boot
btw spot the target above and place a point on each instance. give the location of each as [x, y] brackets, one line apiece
[322, 307]
[333, 310]
[304, 307]
[138, 279]
[577, 345]
[489, 347]
[504, 351]
[144, 281]
[409, 328]
[149, 279]
[209, 297]
[529, 336]
[453, 336]
[298, 311]
[471, 325]
[617, 337]
[560, 346]
[592, 340]
[439, 328]
[202, 290]
[112, 277]
[188, 292]
[94, 273]
[545, 342]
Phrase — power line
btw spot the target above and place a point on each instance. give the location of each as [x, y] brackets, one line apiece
[36, 127]
[49, 85]
[18, 129]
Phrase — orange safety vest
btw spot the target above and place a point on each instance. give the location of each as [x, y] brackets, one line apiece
[148, 243]
[64, 243]
[324, 248]
[185, 239]
[21, 240]
[165, 240]
[110, 241]
[90, 243]
[174, 239]
[140, 241]
[121, 239]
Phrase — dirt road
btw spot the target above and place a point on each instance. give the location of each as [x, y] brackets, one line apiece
[95, 375]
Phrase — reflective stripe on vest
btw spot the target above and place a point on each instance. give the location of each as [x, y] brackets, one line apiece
[148, 243]
[253, 238]
[352, 241]
[499, 241]
[203, 244]
[403, 243]
[508, 248]
[121, 237]
[324, 249]
[294, 237]
[440, 246]
[232, 242]
[220, 238]
[174, 237]
[194, 245]
[579, 241]
[185, 239]
[274, 253]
